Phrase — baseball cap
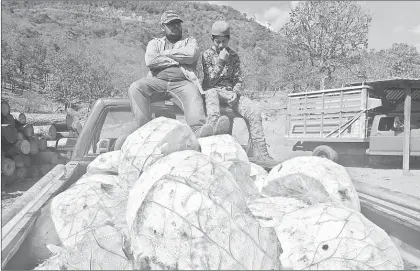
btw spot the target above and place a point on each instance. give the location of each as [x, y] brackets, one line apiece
[220, 28]
[168, 16]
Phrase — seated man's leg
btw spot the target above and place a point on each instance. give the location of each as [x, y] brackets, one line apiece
[189, 97]
[252, 114]
[140, 93]
[220, 124]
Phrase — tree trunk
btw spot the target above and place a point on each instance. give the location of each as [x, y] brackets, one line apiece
[19, 160]
[28, 130]
[8, 119]
[21, 173]
[69, 134]
[42, 143]
[5, 108]
[46, 131]
[20, 117]
[34, 171]
[62, 122]
[27, 160]
[46, 157]
[66, 143]
[8, 167]
[23, 146]
[8, 134]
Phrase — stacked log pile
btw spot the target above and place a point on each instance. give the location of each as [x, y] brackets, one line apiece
[33, 143]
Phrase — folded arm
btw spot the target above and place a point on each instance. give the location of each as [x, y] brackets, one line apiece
[156, 60]
[185, 55]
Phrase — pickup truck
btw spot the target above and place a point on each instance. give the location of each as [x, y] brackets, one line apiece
[358, 120]
[111, 119]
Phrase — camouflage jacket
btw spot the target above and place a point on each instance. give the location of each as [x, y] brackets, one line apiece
[184, 54]
[223, 75]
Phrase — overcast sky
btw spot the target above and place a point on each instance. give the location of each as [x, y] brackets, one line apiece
[392, 21]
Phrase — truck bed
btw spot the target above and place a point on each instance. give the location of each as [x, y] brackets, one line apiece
[340, 114]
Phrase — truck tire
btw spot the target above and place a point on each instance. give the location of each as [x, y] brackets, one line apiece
[327, 152]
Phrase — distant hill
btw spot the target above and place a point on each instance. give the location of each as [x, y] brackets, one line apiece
[112, 36]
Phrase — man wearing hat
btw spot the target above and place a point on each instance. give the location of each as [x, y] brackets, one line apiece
[172, 61]
[223, 83]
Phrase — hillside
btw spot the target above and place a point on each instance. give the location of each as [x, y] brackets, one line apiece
[48, 42]
[78, 51]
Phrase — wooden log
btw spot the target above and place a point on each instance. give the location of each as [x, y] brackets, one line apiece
[19, 160]
[8, 134]
[28, 130]
[5, 108]
[23, 146]
[67, 134]
[46, 131]
[42, 143]
[34, 146]
[52, 144]
[8, 167]
[77, 126]
[7, 179]
[20, 117]
[27, 160]
[66, 143]
[34, 171]
[8, 119]
[20, 136]
[46, 157]
[21, 173]
[62, 122]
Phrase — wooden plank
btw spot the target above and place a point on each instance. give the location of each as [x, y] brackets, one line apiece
[30, 194]
[11, 243]
[18, 226]
[407, 130]
[319, 111]
[328, 91]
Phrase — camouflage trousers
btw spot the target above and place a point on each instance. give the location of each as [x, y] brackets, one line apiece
[244, 107]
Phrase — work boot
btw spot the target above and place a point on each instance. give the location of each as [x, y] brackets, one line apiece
[259, 147]
[204, 131]
[220, 125]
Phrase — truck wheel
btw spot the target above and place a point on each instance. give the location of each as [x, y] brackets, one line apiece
[327, 152]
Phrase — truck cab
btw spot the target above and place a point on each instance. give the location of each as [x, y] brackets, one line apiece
[387, 135]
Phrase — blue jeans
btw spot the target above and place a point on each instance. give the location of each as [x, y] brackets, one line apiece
[150, 89]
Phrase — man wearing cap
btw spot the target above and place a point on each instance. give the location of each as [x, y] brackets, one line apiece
[172, 62]
[223, 83]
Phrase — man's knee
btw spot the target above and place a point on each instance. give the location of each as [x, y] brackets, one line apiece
[249, 107]
[137, 87]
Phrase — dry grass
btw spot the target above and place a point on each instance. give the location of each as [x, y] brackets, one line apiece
[30, 102]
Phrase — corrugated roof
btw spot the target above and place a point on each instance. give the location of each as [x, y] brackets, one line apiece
[394, 88]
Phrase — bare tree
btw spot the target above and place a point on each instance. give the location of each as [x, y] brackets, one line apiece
[326, 34]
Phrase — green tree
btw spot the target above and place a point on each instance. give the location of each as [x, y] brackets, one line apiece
[326, 35]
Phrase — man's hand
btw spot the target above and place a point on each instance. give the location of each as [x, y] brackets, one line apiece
[233, 100]
[224, 55]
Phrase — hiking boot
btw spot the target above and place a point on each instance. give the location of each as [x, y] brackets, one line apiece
[204, 131]
[220, 125]
[260, 151]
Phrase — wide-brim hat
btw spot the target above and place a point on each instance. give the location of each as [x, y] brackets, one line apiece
[168, 16]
